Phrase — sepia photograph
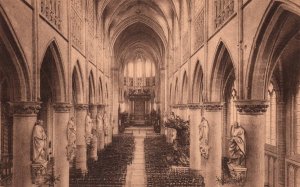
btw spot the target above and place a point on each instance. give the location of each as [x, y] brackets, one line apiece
[150, 93]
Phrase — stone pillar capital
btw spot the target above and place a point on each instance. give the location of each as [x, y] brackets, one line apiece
[81, 106]
[100, 106]
[62, 107]
[195, 106]
[93, 104]
[213, 106]
[26, 108]
[182, 106]
[251, 107]
[175, 106]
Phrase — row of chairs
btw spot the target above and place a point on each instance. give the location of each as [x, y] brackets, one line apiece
[111, 167]
[160, 172]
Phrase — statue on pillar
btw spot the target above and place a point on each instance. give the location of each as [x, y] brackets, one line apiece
[39, 144]
[94, 144]
[40, 155]
[170, 134]
[99, 122]
[106, 127]
[88, 128]
[237, 153]
[237, 146]
[100, 130]
[203, 137]
[165, 119]
[71, 135]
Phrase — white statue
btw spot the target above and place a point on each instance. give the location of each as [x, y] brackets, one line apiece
[237, 145]
[39, 144]
[88, 127]
[105, 127]
[100, 130]
[94, 144]
[173, 135]
[99, 121]
[71, 132]
[71, 135]
[203, 137]
[105, 123]
[165, 119]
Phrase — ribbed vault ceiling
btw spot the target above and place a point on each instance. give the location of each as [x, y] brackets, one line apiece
[133, 26]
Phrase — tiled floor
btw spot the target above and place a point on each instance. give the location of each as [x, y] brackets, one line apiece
[136, 175]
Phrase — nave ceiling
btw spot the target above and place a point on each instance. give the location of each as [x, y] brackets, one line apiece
[138, 26]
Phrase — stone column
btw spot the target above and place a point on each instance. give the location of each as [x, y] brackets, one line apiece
[111, 127]
[252, 119]
[100, 131]
[81, 154]
[62, 116]
[94, 142]
[25, 116]
[213, 165]
[195, 117]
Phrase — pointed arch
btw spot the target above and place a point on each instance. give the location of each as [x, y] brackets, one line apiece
[106, 93]
[77, 85]
[91, 88]
[52, 70]
[13, 61]
[222, 73]
[100, 91]
[184, 89]
[269, 44]
[176, 92]
[197, 85]
[170, 94]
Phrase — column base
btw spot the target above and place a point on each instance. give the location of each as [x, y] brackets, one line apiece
[81, 159]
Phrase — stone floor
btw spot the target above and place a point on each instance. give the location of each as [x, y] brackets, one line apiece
[136, 174]
[139, 131]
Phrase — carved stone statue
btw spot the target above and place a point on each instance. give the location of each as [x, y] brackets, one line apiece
[88, 128]
[100, 130]
[203, 137]
[165, 119]
[106, 127]
[71, 135]
[237, 146]
[172, 116]
[94, 142]
[173, 135]
[39, 139]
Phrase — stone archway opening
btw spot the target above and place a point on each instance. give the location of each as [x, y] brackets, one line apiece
[51, 92]
[274, 77]
[14, 89]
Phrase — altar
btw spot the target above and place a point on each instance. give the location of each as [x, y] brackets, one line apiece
[141, 105]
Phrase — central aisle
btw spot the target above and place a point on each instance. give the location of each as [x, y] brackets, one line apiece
[136, 174]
